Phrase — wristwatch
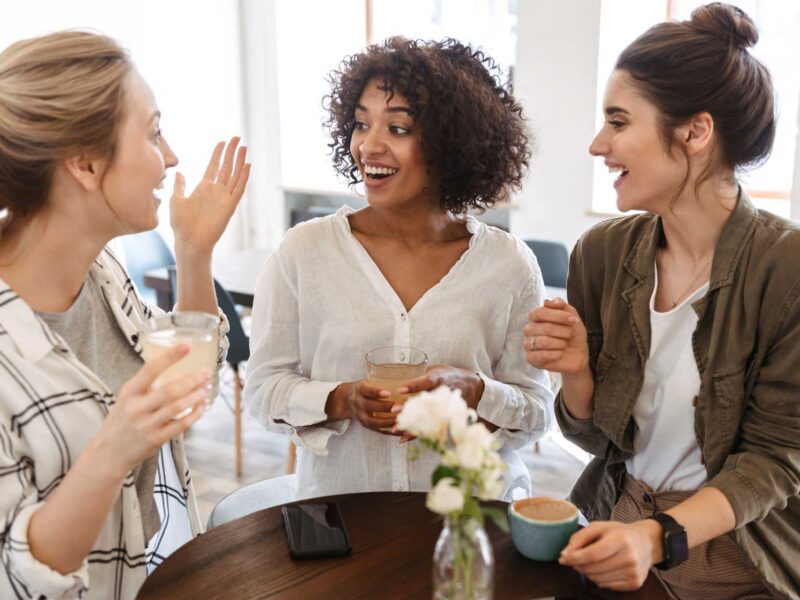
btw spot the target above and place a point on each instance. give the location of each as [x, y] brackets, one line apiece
[676, 549]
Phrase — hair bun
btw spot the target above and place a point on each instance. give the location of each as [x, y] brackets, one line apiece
[727, 22]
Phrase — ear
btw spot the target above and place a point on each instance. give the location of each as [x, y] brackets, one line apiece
[87, 172]
[697, 134]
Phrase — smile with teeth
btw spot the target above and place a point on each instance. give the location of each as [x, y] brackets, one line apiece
[618, 169]
[379, 172]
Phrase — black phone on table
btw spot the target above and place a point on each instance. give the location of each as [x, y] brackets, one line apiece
[315, 530]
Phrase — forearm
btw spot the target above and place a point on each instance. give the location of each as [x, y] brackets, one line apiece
[195, 283]
[577, 394]
[62, 532]
[705, 515]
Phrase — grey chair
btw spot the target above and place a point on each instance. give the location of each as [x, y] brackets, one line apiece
[553, 258]
[253, 497]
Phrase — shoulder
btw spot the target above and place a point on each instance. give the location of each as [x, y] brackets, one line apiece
[774, 251]
[616, 236]
[313, 236]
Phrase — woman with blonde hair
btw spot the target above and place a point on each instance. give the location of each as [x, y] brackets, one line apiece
[84, 439]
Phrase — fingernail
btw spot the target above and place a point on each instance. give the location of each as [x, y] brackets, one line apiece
[402, 390]
[396, 408]
[572, 320]
[385, 394]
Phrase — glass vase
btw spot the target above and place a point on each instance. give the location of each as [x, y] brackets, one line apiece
[463, 562]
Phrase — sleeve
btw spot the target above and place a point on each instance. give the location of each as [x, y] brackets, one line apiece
[763, 471]
[276, 391]
[22, 575]
[582, 432]
[516, 397]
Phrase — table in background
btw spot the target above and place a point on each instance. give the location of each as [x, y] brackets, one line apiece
[393, 537]
[236, 273]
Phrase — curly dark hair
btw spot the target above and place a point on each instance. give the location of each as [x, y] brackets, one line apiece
[473, 132]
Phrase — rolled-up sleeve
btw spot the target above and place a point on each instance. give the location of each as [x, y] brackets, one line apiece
[517, 398]
[763, 472]
[18, 503]
[276, 392]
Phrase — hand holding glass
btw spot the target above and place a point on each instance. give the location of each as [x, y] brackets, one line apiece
[196, 329]
[393, 367]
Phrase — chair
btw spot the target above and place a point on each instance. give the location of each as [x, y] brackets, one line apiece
[144, 252]
[238, 352]
[553, 258]
[253, 497]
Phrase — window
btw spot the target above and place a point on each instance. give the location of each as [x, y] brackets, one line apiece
[778, 22]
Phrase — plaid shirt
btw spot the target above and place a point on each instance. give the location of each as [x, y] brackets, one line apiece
[51, 406]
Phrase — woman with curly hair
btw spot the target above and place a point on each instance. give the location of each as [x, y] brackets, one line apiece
[432, 133]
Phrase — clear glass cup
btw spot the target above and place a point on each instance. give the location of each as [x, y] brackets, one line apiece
[197, 329]
[392, 367]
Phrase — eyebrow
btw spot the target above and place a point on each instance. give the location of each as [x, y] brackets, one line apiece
[612, 110]
[391, 109]
[155, 116]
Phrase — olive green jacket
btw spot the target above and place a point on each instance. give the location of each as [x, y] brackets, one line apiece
[747, 348]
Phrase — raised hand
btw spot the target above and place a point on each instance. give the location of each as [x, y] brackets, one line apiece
[470, 385]
[200, 219]
[555, 338]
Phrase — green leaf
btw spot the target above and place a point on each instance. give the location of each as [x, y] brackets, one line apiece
[472, 509]
[497, 516]
[441, 472]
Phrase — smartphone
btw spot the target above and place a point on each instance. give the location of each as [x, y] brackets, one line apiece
[315, 530]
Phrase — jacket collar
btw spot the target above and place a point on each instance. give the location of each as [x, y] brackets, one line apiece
[640, 265]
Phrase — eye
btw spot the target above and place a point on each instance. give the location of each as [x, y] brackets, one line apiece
[360, 126]
[616, 124]
[399, 130]
[157, 134]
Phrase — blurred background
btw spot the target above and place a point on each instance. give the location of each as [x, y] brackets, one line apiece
[258, 68]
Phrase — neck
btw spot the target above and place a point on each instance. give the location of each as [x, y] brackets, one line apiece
[46, 260]
[415, 225]
[693, 225]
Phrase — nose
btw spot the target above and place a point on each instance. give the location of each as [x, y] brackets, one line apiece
[599, 145]
[373, 143]
[170, 160]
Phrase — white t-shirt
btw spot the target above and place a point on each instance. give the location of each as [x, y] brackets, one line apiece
[321, 303]
[666, 454]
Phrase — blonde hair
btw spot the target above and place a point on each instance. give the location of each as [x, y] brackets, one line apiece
[60, 94]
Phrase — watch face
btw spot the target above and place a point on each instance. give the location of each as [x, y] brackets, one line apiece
[677, 546]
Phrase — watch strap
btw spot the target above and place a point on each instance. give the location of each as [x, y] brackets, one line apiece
[676, 549]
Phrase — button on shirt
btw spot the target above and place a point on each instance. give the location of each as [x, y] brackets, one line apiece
[321, 304]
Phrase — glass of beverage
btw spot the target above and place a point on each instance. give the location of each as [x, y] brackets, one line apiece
[198, 330]
[392, 367]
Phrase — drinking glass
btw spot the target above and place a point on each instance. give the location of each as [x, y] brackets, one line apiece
[392, 367]
[198, 330]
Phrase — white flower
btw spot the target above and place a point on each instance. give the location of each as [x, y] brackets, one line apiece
[445, 497]
[476, 441]
[429, 414]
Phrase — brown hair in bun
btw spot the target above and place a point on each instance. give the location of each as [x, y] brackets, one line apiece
[702, 65]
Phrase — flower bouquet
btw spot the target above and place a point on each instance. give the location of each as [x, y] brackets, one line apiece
[471, 470]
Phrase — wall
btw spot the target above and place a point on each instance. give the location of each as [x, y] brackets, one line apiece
[559, 91]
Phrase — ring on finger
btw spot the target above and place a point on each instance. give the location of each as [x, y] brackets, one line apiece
[532, 343]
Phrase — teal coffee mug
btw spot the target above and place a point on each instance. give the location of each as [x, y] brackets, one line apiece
[542, 526]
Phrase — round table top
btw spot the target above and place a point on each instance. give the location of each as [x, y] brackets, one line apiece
[392, 535]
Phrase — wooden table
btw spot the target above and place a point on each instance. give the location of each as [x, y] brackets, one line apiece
[236, 273]
[393, 537]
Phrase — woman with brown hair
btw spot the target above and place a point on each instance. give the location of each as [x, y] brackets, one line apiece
[431, 132]
[679, 346]
[87, 447]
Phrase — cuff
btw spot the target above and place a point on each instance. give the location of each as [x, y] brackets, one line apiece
[315, 439]
[747, 504]
[528, 415]
[46, 581]
[306, 404]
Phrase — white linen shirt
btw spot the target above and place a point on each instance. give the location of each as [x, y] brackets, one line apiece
[321, 303]
[51, 406]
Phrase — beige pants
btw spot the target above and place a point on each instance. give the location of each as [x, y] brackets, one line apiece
[715, 570]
